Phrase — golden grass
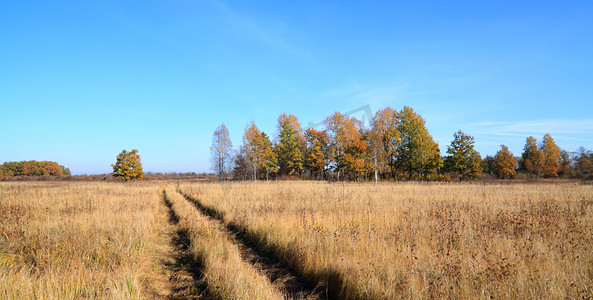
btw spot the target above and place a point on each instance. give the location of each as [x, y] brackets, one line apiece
[226, 274]
[81, 240]
[414, 240]
[66, 240]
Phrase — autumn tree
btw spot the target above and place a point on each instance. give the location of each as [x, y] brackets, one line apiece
[378, 157]
[253, 147]
[504, 163]
[584, 163]
[33, 168]
[462, 158]
[290, 145]
[269, 161]
[128, 165]
[342, 133]
[564, 167]
[357, 159]
[532, 159]
[551, 156]
[317, 154]
[221, 150]
[385, 140]
[10, 169]
[417, 151]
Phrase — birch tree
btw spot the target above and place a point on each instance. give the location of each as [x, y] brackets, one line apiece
[221, 151]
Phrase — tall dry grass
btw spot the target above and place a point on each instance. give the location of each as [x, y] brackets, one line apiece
[226, 274]
[414, 240]
[81, 240]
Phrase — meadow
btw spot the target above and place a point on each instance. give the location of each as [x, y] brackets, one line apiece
[419, 240]
[81, 240]
[157, 239]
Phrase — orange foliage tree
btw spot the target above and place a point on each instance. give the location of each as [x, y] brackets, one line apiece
[317, 154]
[32, 168]
[551, 156]
[504, 163]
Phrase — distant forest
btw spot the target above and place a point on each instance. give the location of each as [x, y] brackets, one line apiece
[396, 146]
[32, 168]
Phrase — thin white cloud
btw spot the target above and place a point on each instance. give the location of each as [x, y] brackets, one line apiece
[534, 127]
[375, 96]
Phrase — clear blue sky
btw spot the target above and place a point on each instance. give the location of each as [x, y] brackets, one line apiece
[82, 80]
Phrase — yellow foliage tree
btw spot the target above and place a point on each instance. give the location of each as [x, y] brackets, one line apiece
[385, 140]
[504, 163]
[128, 165]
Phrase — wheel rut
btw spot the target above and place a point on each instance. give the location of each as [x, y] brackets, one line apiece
[282, 276]
[186, 275]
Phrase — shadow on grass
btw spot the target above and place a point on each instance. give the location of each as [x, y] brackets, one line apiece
[186, 275]
[273, 262]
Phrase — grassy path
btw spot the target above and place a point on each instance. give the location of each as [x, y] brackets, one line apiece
[282, 276]
[219, 270]
[186, 277]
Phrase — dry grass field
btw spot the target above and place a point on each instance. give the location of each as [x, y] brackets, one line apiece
[268, 240]
[228, 276]
[414, 240]
[81, 240]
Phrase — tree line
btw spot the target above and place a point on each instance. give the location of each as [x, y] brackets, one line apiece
[32, 168]
[396, 146]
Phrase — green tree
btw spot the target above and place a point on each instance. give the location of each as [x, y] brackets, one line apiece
[417, 152]
[584, 163]
[65, 171]
[220, 151]
[463, 159]
[488, 164]
[504, 163]
[290, 146]
[551, 156]
[241, 167]
[532, 159]
[128, 165]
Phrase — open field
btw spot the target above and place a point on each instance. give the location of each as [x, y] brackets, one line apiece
[420, 240]
[81, 240]
[68, 240]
